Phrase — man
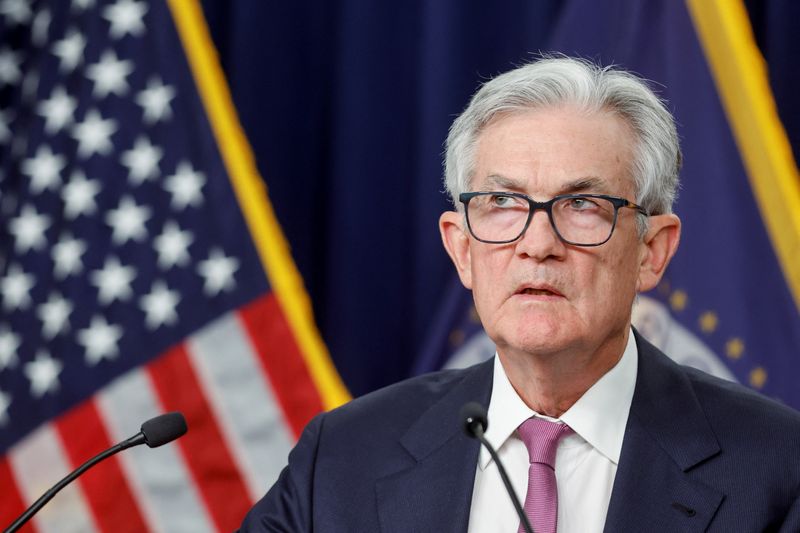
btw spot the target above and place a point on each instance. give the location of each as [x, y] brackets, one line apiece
[563, 174]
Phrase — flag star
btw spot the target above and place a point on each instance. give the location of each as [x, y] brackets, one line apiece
[79, 195]
[5, 121]
[66, 255]
[142, 161]
[5, 401]
[94, 134]
[127, 221]
[58, 110]
[28, 229]
[159, 306]
[43, 374]
[113, 282]
[109, 74]
[69, 50]
[9, 343]
[185, 186]
[154, 101]
[54, 315]
[15, 12]
[125, 17]
[172, 246]
[10, 62]
[44, 169]
[41, 27]
[82, 5]
[15, 287]
[100, 340]
[218, 272]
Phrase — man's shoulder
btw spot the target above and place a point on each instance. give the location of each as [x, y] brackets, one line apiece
[399, 404]
[725, 399]
[732, 410]
[348, 457]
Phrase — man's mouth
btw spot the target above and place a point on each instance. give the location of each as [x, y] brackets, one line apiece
[539, 291]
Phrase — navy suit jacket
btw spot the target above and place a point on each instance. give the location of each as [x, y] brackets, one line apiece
[699, 454]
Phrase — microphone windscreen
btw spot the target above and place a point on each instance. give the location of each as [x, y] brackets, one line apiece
[163, 429]
[473, 416]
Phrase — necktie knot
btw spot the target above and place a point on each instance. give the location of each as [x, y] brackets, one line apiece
[541, 437]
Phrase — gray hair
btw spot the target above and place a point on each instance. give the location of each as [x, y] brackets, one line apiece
[554, 81]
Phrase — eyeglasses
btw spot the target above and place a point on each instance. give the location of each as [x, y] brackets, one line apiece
[579, 219]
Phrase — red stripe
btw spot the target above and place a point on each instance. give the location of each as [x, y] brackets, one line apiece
[282, 361]
[203, 447]
[111, 501]
[11, 503]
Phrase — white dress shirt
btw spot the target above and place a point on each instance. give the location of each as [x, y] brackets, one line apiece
[586, 461]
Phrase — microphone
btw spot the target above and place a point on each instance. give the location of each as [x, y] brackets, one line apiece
[473, 416]
[155, 432]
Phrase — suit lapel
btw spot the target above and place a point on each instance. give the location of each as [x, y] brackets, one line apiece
[435, 494]
[667, 435]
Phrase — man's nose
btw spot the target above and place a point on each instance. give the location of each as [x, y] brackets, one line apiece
[540, 240]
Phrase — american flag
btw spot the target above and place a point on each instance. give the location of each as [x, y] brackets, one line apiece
[133, 280]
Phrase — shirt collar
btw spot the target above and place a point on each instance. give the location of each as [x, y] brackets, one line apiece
[599, 416]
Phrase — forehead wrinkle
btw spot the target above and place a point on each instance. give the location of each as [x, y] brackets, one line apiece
[504, 182]
[593, 184]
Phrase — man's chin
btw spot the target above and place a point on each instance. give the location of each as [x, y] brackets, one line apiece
[541, 337]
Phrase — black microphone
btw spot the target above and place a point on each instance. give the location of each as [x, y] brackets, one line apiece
[155, 432]
[473, 416]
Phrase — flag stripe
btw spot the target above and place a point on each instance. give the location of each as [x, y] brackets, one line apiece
[246, 409]
[38, 462]
[252, 196]
[159, 478]
[104, 485]
[278, 353]
[204, 448]
[11, 504]
[740, 73]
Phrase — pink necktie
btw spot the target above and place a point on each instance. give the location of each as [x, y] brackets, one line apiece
[541, 502]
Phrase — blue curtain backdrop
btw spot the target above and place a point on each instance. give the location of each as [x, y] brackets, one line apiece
[347, 105]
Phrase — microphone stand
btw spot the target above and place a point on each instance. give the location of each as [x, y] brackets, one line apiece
[507, 482]
[47, 496]
[473, 417]
[155, 432]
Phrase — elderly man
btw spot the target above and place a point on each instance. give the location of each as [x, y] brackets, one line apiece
[563, 174]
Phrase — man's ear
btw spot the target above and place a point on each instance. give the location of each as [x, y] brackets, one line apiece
[660, 244]
[455, 238]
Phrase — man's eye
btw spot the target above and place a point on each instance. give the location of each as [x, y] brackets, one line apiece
[581, 204]
[499, 200]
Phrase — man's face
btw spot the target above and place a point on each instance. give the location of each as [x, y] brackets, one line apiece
[538, 294]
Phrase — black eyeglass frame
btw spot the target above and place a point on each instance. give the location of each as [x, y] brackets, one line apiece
[547, 206]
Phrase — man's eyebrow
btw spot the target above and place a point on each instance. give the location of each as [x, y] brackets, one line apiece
[503, 182]
[584, 184]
